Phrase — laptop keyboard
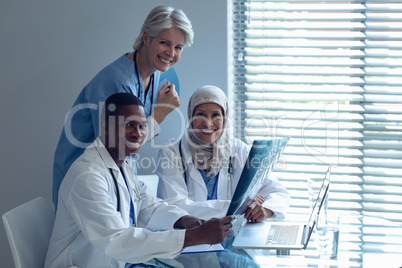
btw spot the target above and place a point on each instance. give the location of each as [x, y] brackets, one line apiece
[282, 234]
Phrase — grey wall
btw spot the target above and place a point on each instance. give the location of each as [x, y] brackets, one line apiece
[51, 49]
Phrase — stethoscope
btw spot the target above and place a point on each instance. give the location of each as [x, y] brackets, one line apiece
[151, 82]
[230, 172]
[136, 190]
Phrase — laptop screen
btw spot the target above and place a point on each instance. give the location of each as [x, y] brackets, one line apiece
[319, 202]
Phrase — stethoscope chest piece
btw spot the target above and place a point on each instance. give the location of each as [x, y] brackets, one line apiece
[136, 190]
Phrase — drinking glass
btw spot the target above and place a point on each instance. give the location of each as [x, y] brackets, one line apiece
[327, 229]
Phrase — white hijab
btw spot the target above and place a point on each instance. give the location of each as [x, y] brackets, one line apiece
[209, 156]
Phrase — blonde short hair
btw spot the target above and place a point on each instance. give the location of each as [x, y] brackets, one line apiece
[165, 17]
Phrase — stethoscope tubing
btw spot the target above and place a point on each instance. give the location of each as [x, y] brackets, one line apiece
[136, 191]
[230, 169]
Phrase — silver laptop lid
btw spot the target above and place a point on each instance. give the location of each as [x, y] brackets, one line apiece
[318, 204]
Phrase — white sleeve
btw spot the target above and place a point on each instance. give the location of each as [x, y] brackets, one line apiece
[276, 197]
[91, 205]
[155, 214]
[171, 184]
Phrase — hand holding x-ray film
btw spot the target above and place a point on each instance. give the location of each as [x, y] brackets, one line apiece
[262, 158]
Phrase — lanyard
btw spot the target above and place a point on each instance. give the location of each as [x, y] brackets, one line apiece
[118, 195]
[213, 189]
[131, 200]
[151, 82]
[230, 170]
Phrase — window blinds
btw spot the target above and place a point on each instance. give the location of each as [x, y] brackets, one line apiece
[328, 74]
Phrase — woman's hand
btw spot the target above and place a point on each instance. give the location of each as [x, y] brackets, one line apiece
[167, 101]
[256, 212]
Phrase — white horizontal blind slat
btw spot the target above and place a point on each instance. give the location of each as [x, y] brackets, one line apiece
[328, 74]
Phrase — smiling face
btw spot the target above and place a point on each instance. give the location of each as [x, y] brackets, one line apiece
[126, 132]
[164, 50]
[207, 122]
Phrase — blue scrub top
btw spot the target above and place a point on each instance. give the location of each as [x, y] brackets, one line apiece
[82, 125]
[211, 184]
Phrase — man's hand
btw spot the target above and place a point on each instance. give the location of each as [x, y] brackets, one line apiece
[167, 101]
[256, 212]
[211, 232]
[188, 222]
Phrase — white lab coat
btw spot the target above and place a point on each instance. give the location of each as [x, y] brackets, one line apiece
[90, 232]
[192, 196]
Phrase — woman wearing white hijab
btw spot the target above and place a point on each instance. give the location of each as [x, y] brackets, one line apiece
[199, 173]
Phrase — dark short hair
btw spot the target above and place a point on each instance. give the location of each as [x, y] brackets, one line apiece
[118, 100]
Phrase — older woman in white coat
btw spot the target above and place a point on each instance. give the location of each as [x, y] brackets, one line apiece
[199, 173]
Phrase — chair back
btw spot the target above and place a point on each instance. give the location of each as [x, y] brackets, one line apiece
[28, 228]
[151, 181]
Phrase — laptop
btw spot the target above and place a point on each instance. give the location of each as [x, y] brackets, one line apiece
[261, 160]
[282, 235]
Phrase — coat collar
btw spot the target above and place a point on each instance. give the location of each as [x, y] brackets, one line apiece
[104, 154]
[195, 174]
